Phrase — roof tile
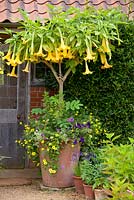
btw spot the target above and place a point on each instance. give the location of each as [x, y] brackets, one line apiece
[38, 8]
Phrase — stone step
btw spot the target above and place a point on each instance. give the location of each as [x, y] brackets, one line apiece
[20, 173]
[15, 181]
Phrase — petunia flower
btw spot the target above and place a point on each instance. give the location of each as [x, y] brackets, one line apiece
[71, 119]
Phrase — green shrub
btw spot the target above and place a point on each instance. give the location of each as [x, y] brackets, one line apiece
[118, 163]
[109, 93]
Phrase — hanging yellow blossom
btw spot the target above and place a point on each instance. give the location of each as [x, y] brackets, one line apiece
[26, 68]
[87, 71]
[90, 54]
[12, 72]
[104, 61]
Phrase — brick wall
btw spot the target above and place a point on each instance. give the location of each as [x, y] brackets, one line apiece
[36, 95]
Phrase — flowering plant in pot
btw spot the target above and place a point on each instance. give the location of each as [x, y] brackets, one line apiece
[51, 127]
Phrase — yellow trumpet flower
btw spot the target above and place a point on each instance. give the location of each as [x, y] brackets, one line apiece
[26, 68]
[105, 45]
[49, 56]
[1, 71]
[13, 72]
[90, 54]
[104, 61]
[87, 71]
[40, 52]
[7, 56]
[106, 65]
[17, 60]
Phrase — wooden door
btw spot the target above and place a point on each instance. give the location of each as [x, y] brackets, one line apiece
[13, 109]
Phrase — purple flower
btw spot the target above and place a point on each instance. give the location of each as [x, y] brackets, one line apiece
[78, 125]
[88, 125]
[75, 141]
[58, 130]
[81, 139]
[71, 119]
[42, 135]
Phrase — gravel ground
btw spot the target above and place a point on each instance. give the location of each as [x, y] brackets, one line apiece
[33, 192]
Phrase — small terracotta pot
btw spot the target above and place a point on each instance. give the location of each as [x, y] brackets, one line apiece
[100, 194]
[78, 183]
[89, 192]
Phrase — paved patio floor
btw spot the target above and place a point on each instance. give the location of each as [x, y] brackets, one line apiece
[34, 192]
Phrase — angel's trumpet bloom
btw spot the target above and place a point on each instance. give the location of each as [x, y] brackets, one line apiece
[87, 71]
[90, 54]
[26, 68]
[13, 72]
[7, 56]
[104, 61]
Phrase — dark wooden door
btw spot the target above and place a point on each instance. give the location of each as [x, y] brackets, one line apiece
[13, 109]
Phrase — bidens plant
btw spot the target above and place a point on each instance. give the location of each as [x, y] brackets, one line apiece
[58, 122]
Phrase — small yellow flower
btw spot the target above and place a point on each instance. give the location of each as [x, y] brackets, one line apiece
[38, 164]
[52, 171]
[54, 147]
[47, 149]
[44, 161]
[72, 145]
[56, 135]
[21, 123]
[42, 149]
[33, 153]
[42, 141]
[26, 142]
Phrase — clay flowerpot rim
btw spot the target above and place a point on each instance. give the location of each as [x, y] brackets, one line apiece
[78, 177]
[85, 184]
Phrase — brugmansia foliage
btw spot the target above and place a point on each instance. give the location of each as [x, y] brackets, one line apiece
[65, 40]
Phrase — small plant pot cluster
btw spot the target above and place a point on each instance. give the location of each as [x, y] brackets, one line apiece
[109, 175]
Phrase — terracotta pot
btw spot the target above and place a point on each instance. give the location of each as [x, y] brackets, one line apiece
[68, 159]
[89, 192]
[78, 183]
[100, 194]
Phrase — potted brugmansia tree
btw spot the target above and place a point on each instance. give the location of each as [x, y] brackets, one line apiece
[63, 42]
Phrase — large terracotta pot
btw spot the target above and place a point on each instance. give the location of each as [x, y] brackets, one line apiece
[89, 192]
[68, 159]
[78, 183]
